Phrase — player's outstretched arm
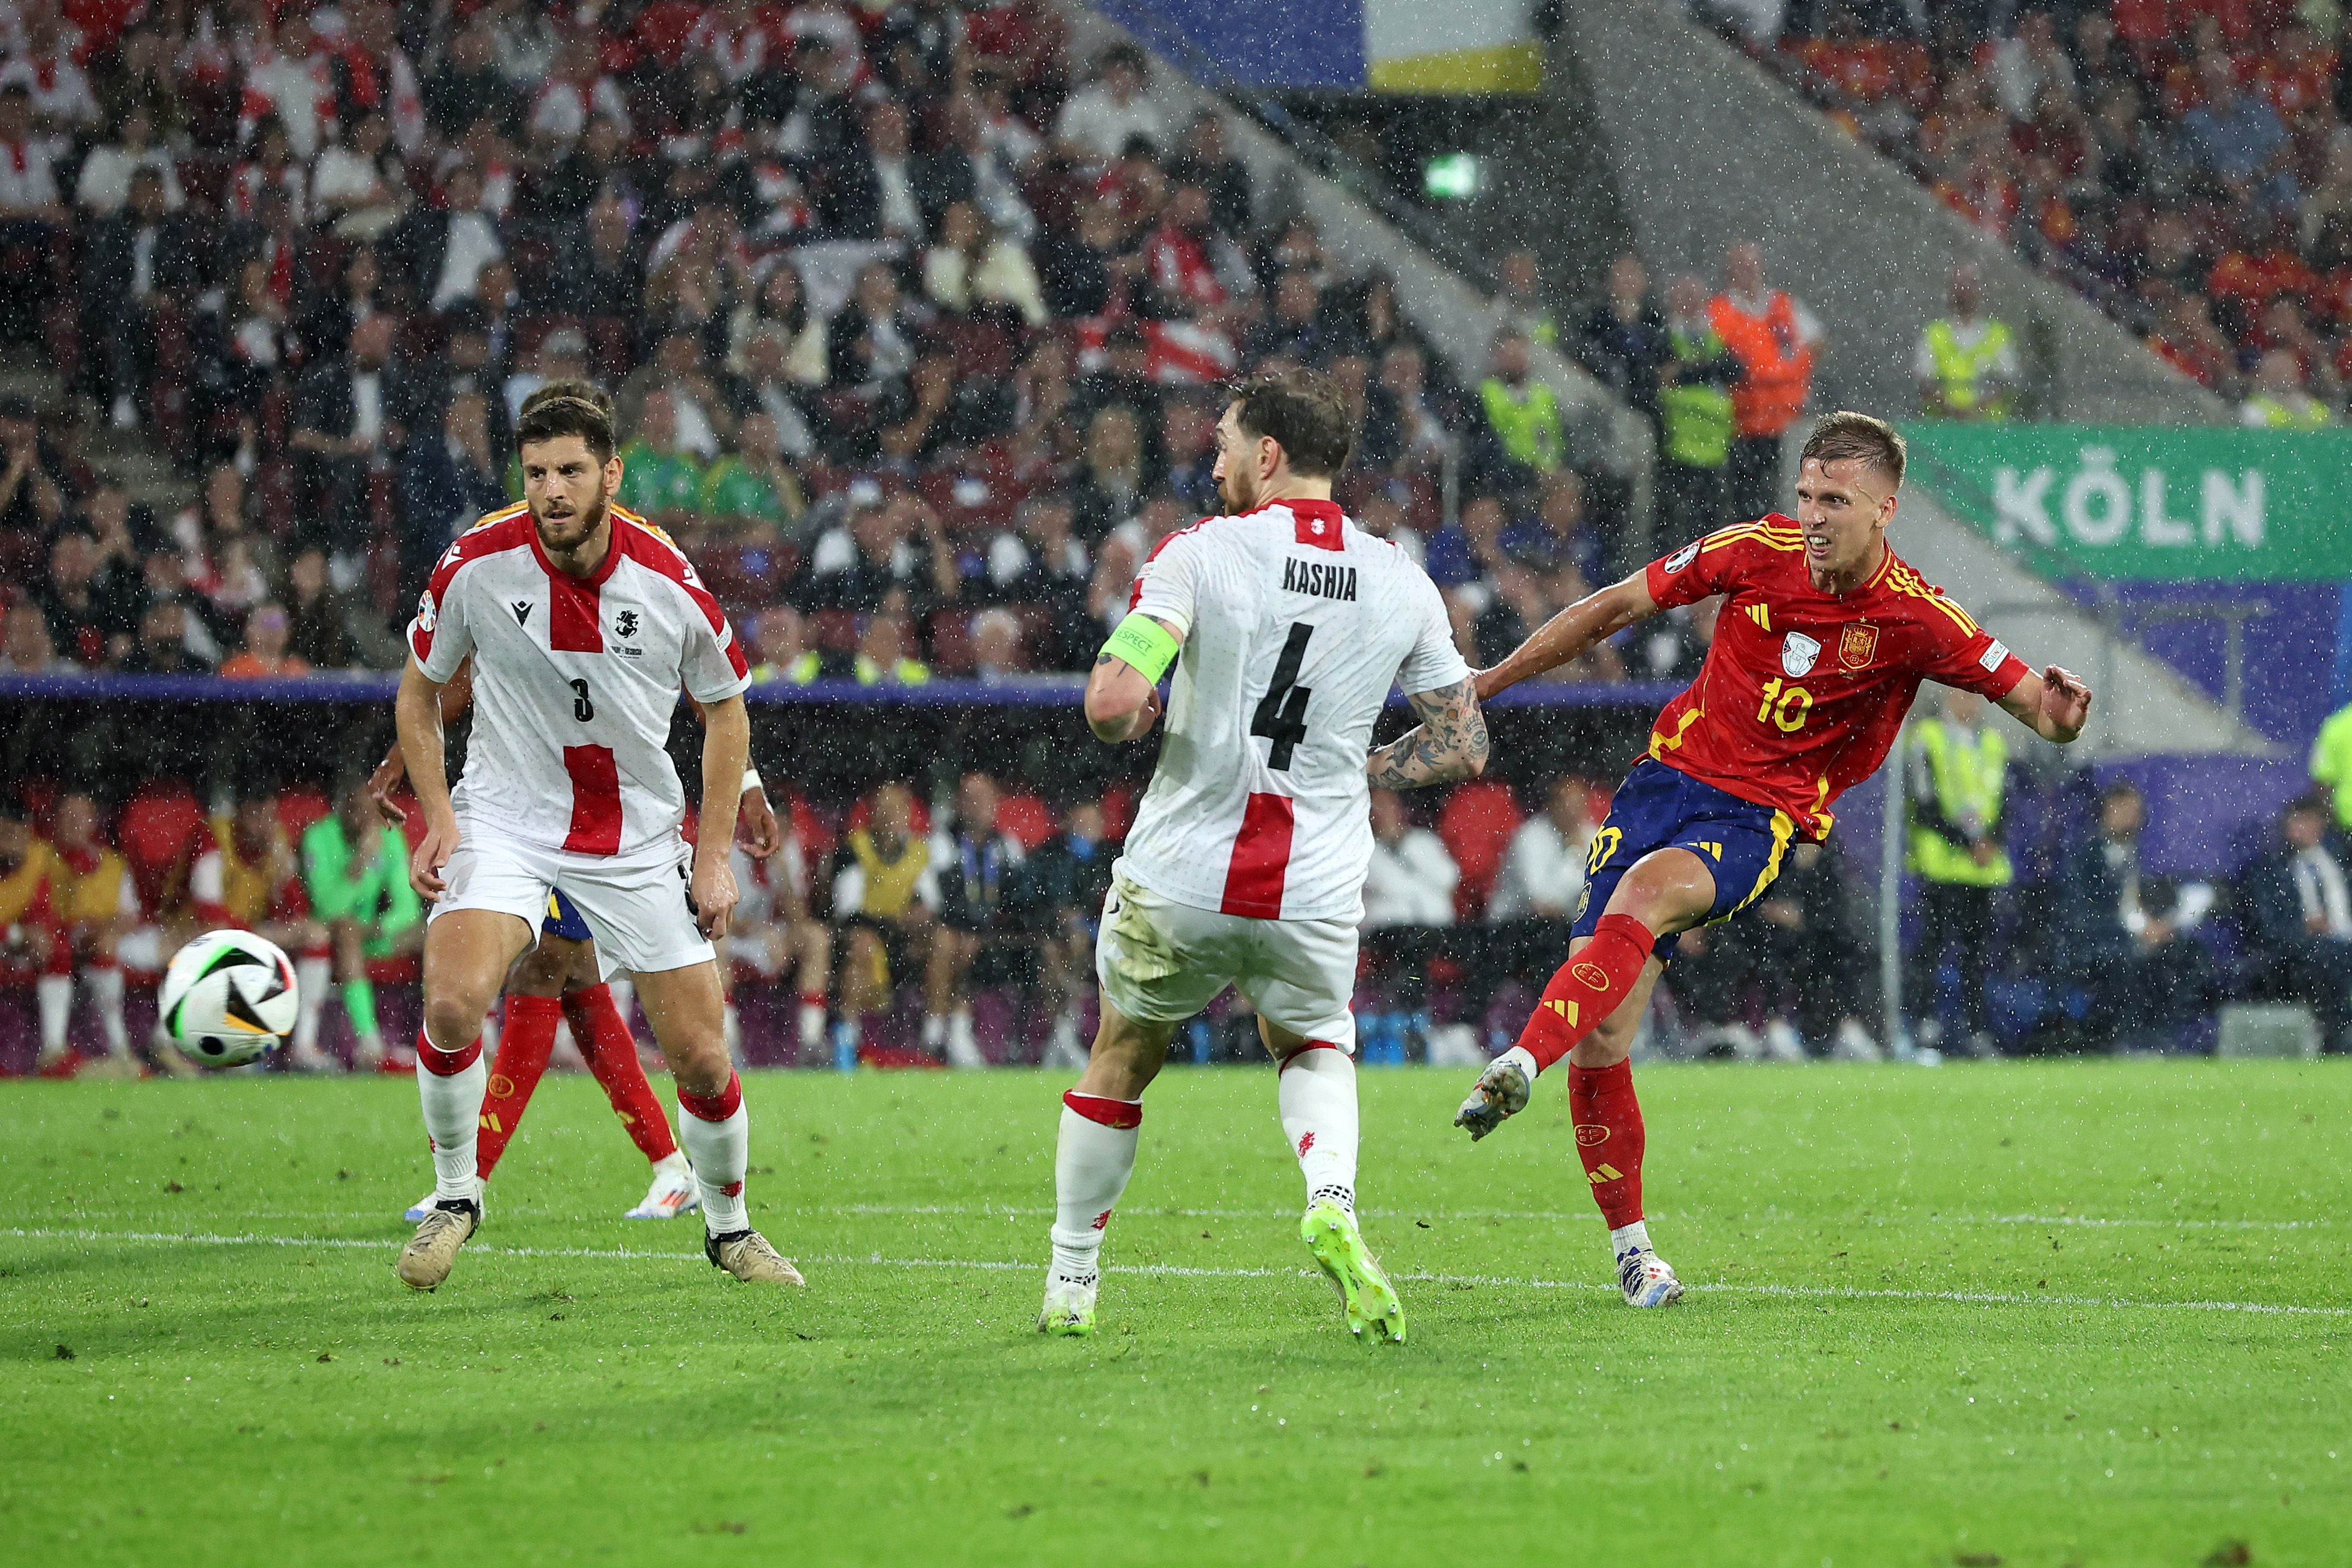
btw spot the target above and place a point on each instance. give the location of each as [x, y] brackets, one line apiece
[2054, 704]
[417, 712]
[1449, 743]
[1123, 693]
[1571, 633]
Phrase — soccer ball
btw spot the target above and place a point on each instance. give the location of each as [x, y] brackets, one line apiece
[228, 998]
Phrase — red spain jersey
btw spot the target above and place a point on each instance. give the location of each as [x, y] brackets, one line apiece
[1802, 691]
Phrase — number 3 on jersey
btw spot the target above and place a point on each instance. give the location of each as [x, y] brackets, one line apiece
[1281, 715]
[581, 709]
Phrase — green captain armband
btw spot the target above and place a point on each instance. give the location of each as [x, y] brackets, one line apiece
[1145, 644]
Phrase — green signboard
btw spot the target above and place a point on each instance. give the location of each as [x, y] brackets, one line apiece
[2149, 503]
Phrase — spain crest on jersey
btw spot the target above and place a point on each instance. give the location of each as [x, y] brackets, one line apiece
[1799, 653]
[1858, 645]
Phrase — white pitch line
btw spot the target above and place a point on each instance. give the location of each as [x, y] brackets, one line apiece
[2097, 1222]
[875, 1260]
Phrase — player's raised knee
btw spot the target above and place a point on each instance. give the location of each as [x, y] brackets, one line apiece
[450, 1021]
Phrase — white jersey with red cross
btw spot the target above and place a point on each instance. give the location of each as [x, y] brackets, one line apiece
[1296, 624]
[575, 679]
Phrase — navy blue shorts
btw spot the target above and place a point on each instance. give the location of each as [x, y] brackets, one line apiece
[1659, 808]
[564, 919]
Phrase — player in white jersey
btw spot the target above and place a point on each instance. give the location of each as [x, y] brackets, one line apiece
[1247, 860]
[582, 625]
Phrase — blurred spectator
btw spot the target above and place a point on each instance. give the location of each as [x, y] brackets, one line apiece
[1204, 159]
[344, 428]
[356, 876]
[1695, 418]
[360, 184]
[979, 943]
[1957, 777]
[2299, 917]
[781, 304]
[162, 646]
[1520, 305]
[1624, 339]
[103, 183]
[2124, 936]
[91, 903]
[92, 616]
[1109, 488]
[775, 934]
[660, 476]
[885, 897]
[326, 626]
[2277, 401]
[445, 486]
[1057, 899]
[2330, 764]
[33, 490]
[1098, 120]
[1523, 420]
[133, 259]
[969, 268]
[872, 193]
[262, 655]
[25, 645]
[31, 209]
[2237, 139]
[1412, 877]
[1541, 878]
[1043, 564]
[1820, 969]
[883, 656]
[996, 645]
[1773, 337]
[887, 554]
[1966, 364]
[752, 495]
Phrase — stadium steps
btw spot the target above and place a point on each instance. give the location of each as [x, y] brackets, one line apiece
[1706, 146]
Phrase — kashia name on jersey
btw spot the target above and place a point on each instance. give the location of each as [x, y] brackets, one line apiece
[1314, 577]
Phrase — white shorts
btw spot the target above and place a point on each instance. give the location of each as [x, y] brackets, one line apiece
[635, 904]
[1160, 962]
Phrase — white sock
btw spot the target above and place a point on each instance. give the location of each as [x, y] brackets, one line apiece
[105, 990]
[1625, 1238]
[935, 1030]
[453, 1115]
[1317, 1091]
[56, 993]
[674, 1161]
[812, 1025]
[313, 977]
[721, 1149]
[1091, 1164]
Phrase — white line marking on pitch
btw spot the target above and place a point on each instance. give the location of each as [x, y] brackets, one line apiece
[875, 1260]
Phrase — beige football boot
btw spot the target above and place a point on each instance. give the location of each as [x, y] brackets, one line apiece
[424, 1262]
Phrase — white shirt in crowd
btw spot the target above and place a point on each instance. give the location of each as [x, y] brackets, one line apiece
[104, 184]
[1095, 119]
[1541, 874]
[1411, 882]
[473, 245]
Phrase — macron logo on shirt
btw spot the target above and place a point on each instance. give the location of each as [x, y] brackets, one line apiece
[521, 607]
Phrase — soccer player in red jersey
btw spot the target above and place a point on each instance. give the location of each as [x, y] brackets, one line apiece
[1824, 639]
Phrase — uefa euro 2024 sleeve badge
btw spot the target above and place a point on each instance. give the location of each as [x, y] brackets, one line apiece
[1799, 653]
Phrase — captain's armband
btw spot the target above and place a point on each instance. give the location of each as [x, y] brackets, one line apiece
[1144, 644]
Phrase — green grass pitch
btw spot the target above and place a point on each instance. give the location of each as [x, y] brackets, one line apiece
[2090, 1313]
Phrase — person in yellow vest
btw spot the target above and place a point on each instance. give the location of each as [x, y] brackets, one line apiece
[885, 897]
[1522, 414]
[251, 879]
[1775, 338]
[27, 930]
[1958, 766]
[2331, 765]
[882, 657]
[1694, 417]
[90, 903]
[2278, 401]
[1966, 363]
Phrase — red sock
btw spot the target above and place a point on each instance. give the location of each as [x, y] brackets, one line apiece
[1609, 1138]
[1588, 988]
[446, 1063]
[515, 1072]
[611, 1051]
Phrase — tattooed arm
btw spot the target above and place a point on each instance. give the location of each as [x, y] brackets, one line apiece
[1449, 743]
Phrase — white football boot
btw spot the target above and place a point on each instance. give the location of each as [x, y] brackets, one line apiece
[672, 1193]
[414, 1212]
[1647, 1279]
[1501, 1093]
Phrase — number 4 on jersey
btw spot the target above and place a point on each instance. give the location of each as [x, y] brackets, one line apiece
[1281, 715]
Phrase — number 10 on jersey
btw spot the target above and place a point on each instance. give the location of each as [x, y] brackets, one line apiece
[1785, 708]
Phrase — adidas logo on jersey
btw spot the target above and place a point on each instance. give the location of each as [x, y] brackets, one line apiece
[1315, 578]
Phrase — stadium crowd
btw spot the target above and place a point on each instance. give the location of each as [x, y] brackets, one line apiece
[914, 321]
[2185, 164]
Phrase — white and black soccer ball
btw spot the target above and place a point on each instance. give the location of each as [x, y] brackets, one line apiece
[228, 998]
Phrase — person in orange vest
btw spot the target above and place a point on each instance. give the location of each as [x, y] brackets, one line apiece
[1773, 337]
